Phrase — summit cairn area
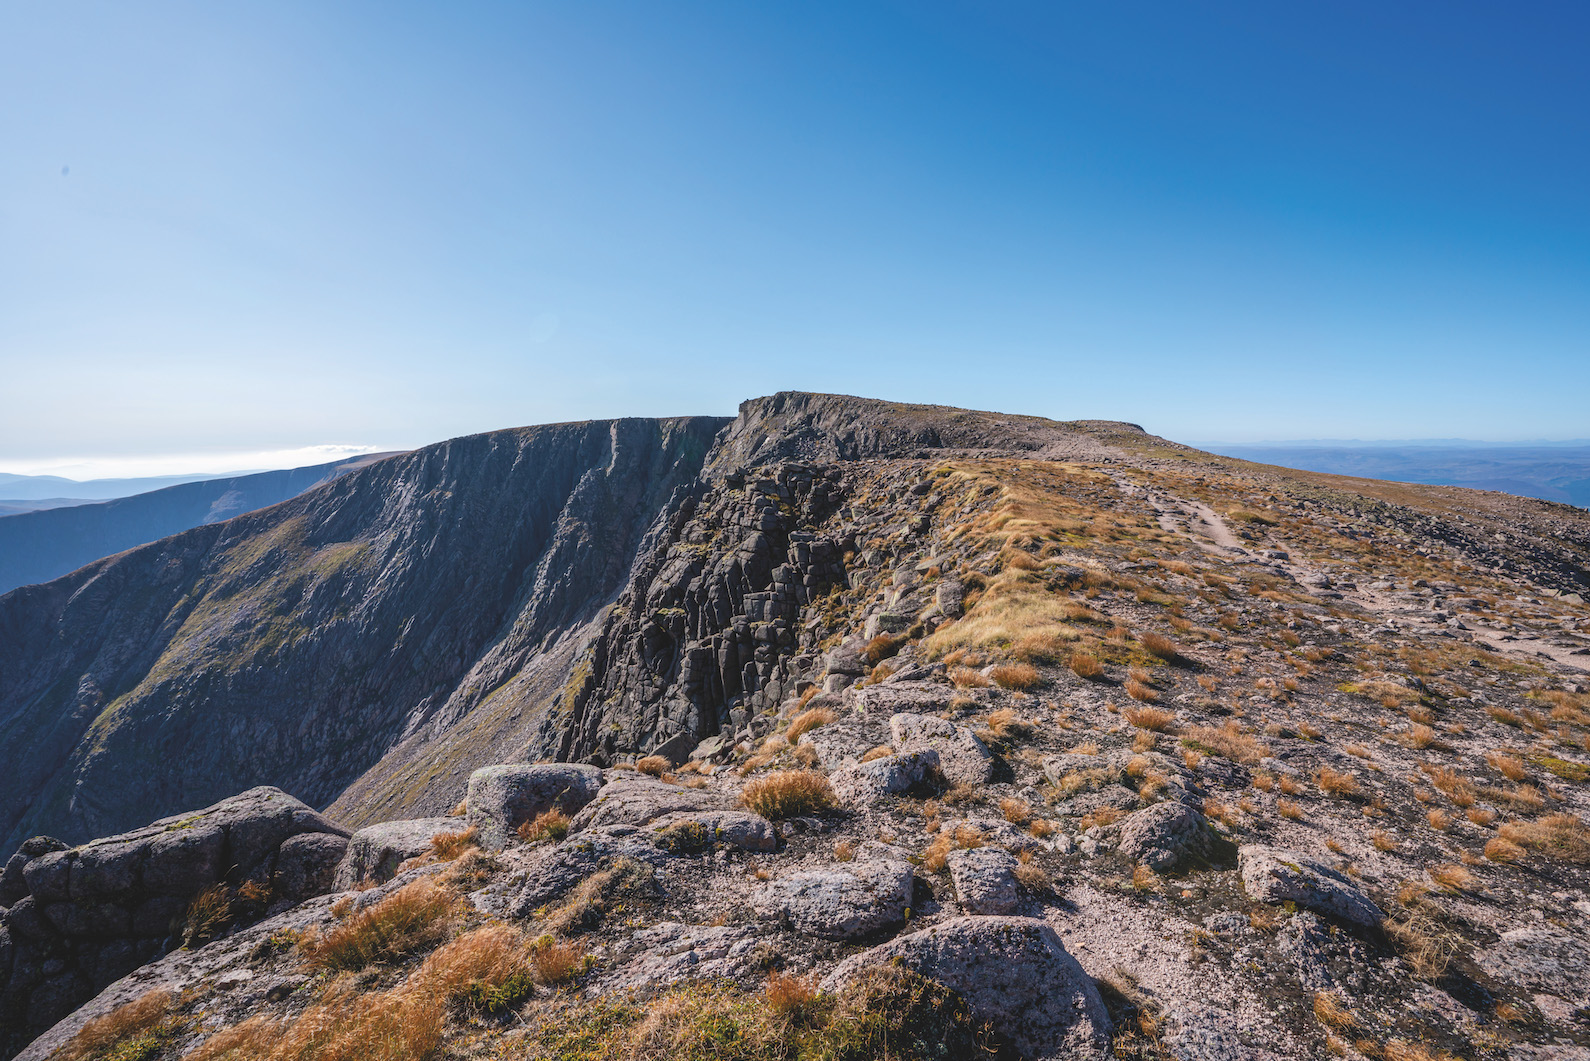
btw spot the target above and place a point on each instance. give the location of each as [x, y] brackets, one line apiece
[928, 733]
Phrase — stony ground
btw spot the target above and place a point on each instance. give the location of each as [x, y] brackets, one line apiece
[1289, 769]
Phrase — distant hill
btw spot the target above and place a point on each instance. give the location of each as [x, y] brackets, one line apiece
[20, 488]
[63, 534]
[1548, 472]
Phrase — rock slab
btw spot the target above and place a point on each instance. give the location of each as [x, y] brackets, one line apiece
[1014, 974]
[503, 797]
[1165, 835]
[1275, 875]
[963, 759]
[846, 901]
[376, 851]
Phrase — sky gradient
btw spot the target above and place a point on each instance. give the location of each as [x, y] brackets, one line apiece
[255, 227]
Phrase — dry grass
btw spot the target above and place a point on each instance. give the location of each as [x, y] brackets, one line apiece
[1085, 665]
[1227, 741]
[135, 1030]
[556, 963]
[447, 846]
[1139, 691]
[1014, 675]
[1289, 810]
[967, 678]
[1451, 784]
[1337, 783]
[1383, 840]
[1561, 836]
[1042, 648]
[1007, 724]
[1509, 766]
[883, 646]
[789, 794]
[1149, 718]
[807, 721]
[1439, 819]
[1105, 815]
[1016, 811]
[550, 824]
[207, 916]
[1332, 1013]
[878, 752]
[488, 970]
[789, 996]
[1499, 849]
[410, 919]
[1162, 647]
[653, 765]
[1452, 877]
[344, 1025]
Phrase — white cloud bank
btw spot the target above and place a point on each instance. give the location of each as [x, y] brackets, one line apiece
[127, 466]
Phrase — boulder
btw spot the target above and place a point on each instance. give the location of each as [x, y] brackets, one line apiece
[963, 759]
[985, 880]
[1013, 972]
[845, 901]
[889, 775]
[306, 865]
[742, 829]
[1165, 835]
[633, 799]
[1275, 875]
[1542, 958]
[503, 797]
[376, 851]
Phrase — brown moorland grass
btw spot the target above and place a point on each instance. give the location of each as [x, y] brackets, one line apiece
[1007, 724]
[1018, 676]
[136, 1029]
[448, 846]
[550, 824]
[1154, 719]
[1138, 690]
[488, 970]
[809, 720]
[345, 1024]
[883, 646]
[409, 919]
[1227, 741]
[1563, 836]
[1086, 665]
[789, 794]
[652, 765]
[1338, 783]
[1161, 647]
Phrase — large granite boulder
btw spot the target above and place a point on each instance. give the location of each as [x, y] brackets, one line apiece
[1165, 835]
[632, 799]
[963, 759]
[845, 901]
[376, 851]
[501, 798]
[82, 917]
[1014, 974]
[888, 775]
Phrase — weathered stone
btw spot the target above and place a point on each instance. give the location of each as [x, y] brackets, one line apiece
[888, 775]
[1165, 835]
[742, 829]
[1274, 875]
[845, 901]
[1542, 958]
[306, 865]
[501, 798]
[183, 855]
[963, 759]
[1013, 972]
[636, 800]
[985, 880]
[257, 821]
[376, 851]
[48, 877]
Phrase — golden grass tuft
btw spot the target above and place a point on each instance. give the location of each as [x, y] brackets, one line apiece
[1042, 648]
[1338, 783]
[1140, 691]
[807, 721]
[1161, 647]
[882, 647]
[789, 794]
[967, 678]
[1016, 676]
[789, 996]
[1500, 849]
[1007, 724]
[1154, 719]
[878, 752]
[408, 920]
[652, 765]
[1453, 877]
[1086, 665]
[550, 824]
[1289, 810]
[345, 1024]
[488, 969]
[447, 846]
[1227, 741]
[1561, 836]
[1509, 766]
[1016, 811]
[133, 1030]
[1330, 1011]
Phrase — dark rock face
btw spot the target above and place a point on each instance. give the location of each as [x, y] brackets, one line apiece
[304, 644]
[88, 915]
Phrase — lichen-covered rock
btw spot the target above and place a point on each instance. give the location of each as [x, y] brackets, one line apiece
[1275, 875]
[889, 775]
[963, 759]
[376, 851]
[503, 797]
[631, 799]
[742, 829]
[1542, 958]
[1014, 974]
[93, 913]
[985, 880]
[1163, 836]
[845, 901]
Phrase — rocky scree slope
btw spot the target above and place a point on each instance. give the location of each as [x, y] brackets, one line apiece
[300, 644]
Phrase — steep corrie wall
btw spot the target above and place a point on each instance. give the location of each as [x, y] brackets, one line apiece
[302, 644]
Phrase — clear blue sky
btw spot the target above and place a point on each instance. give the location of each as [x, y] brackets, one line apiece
[256, 226]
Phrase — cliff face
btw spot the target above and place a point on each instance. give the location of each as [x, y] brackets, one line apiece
[300, 644]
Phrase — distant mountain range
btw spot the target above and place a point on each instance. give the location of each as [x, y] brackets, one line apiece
[18, 489]
[42, 538]
[1551, 471]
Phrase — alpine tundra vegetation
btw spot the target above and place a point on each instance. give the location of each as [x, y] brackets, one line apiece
[841, 729]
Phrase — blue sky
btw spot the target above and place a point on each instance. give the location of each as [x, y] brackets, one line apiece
[251, 227]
